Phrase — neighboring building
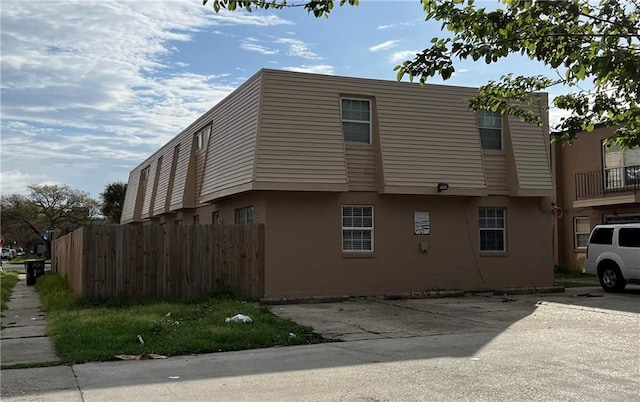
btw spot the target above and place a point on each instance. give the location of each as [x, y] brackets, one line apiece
[365, 187]
[595, 185]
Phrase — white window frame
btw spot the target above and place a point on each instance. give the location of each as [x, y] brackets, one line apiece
[244, 215]
[576, 232]
[480, 127]
[201, 138]
[368, 122]
[502, 229]
[619, 179]
[354, 228]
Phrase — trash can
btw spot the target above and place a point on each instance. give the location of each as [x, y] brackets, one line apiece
[33, 270]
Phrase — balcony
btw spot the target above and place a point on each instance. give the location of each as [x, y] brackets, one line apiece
[608, 187]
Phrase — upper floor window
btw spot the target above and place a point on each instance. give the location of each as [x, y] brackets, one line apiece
[244, 216]
[356, 120]
[621, 168]
[201, 138]
[144, 178]
[490, 128]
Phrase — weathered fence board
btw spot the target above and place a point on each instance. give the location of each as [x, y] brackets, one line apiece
[181, 261]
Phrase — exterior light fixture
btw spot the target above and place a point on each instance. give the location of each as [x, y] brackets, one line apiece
[443, 186]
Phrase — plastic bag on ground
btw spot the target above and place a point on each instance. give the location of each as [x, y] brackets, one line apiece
[239, 318]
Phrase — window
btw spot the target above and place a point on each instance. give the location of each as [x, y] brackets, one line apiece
[356, 120]
[621, 168]
[144, 178]
[602, 236]
[490, 128]
[196, 220]
[492, 229]
[244, 216]
[629, 237]
[357, 228]
[201, 138]
[581, 230]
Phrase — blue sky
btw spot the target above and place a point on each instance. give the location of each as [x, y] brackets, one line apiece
[92, 88]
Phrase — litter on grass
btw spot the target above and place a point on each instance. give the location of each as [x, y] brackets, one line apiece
[239, 318]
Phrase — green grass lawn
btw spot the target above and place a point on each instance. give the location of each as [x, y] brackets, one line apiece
[7, 281]
[83, 331]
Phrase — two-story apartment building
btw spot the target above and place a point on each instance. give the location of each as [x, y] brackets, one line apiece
[365, 187]
[595, 185]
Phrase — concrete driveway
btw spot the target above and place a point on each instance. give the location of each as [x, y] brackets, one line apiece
[376, 318]
[579, 346]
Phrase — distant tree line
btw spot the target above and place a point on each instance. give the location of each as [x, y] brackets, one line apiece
[47, 212]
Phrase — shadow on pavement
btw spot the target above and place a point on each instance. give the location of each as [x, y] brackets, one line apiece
[521, 330]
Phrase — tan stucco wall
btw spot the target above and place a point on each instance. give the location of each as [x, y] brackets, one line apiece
[304, 255]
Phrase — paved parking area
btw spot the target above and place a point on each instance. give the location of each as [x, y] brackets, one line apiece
[582, 345]
[376, 318]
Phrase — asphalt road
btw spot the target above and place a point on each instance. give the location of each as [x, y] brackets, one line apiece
[580, 346]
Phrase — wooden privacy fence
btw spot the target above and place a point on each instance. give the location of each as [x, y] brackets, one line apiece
[182, 261]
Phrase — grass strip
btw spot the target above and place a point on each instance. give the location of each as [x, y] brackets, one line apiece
[8, 280]
[84, 331]
[575, 280]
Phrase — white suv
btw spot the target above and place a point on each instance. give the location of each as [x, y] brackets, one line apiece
[613, 254]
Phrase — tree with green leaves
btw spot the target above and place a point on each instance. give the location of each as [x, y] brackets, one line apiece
[48, 211]
[112, 201]
[590, 44]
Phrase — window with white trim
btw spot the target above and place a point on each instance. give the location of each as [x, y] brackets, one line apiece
[492, 229]
[356, 120]
[357, 228]
[621, 168]
[581, 231]
[490, 129]
[244, 216]
[201, 138]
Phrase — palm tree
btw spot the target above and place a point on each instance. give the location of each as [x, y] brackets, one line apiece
[112, 200]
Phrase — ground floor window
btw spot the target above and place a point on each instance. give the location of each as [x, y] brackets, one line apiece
[492, 229]
[357, 228]
[244, 216]
[581, 231]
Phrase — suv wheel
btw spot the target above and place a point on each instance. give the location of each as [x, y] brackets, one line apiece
[611, 278]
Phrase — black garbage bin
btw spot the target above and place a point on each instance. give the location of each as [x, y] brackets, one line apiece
[33, 270]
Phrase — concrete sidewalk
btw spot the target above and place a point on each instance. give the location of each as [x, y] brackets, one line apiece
[23, 339]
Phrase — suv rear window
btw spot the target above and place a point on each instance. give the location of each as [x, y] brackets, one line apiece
[629, 237]
[602, 236]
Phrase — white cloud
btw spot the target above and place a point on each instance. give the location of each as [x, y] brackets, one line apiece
[225, 17]
[385, 26]
[254, 47]
[17, 182]
[399, 57]
[93, 83]
[298, 48]
[316, 69]
[384, 45]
